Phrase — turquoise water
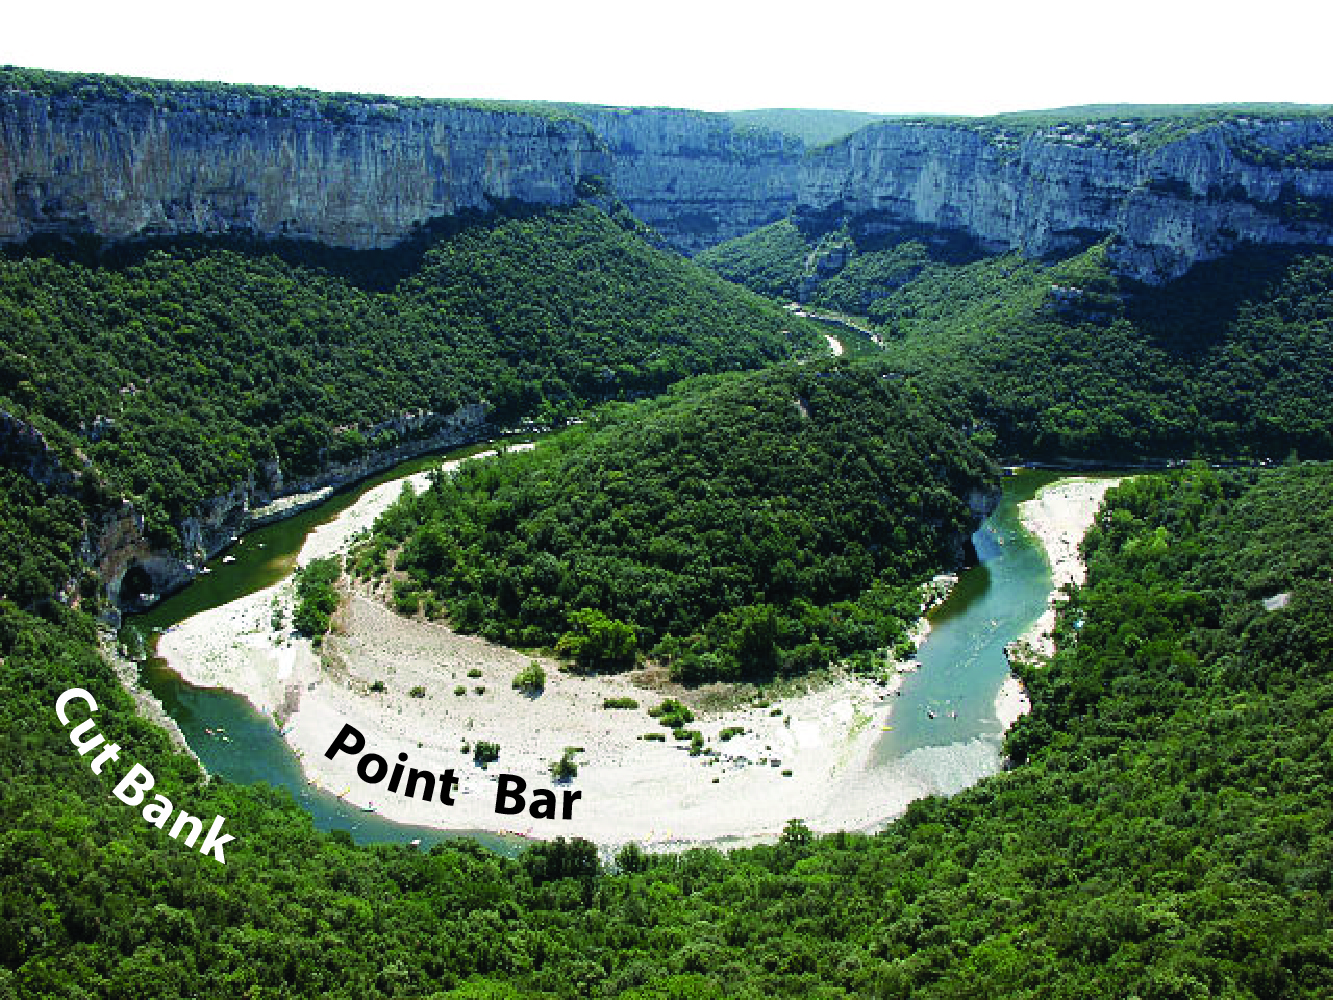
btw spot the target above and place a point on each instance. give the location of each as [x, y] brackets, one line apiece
[222, 728]
[963, 664]
[963, 667]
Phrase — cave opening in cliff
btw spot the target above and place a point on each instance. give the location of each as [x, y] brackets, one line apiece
[135, 585]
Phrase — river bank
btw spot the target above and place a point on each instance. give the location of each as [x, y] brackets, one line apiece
[811, 754]
[1058, 517]
[807, 754]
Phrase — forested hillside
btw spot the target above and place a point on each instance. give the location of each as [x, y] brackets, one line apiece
[179, 370]
[1165, 835]
[752, 524]
[1232, 361]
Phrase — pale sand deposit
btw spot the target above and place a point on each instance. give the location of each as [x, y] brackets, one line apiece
[1059, 516]
[654, 793]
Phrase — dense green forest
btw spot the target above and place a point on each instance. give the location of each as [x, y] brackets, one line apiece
[180, 370]
[740, 525]
[1232, 361]
[1165, 835]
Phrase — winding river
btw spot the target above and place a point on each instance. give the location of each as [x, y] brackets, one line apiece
[945, 732]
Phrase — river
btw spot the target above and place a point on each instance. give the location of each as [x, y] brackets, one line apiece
[963, 667]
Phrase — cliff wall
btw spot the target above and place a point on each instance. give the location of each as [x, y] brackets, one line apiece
[1169, 203]
[218, 163]
[697, 178]
[362, 172]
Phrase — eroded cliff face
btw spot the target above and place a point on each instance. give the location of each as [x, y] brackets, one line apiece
[135, 573]
[219, 163]
[1168, 204]
[694, 177]
[363, 174]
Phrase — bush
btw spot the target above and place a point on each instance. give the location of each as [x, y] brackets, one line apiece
[316, 598]
[530, 680]
[379, 687]
[474, 672]
[484, 753]
[654, 737]
[459, 690]
[672, 714]
[619, 703]
[417, 692]
[730, 731]
[565, 768]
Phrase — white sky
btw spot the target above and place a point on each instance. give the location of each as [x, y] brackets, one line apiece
[924, 55]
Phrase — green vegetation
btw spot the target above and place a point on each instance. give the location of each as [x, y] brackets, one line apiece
[419, 691]
[270, 101]
[1129, 127]
[1232, 361]
[316, 595]
[1163, 832]
[672, 714]
[729, 732]
[40, 533]
[775, 259]
[530, 680]
[180, 370]
[740, 526]
[619, 703]
[770, 260]
[566, 767]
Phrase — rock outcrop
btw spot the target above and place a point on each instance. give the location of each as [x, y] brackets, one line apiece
[217, 162]
[135, 572]
[105, 158]
[363, 172]
[1168, 202]
[694, 177]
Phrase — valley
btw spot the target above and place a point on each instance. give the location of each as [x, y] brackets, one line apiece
[662, 611]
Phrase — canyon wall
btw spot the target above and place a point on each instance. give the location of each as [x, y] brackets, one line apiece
[1169, 201]
[696, 178]
[108, 159]
[360, 174]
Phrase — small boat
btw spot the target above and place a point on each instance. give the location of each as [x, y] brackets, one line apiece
[208, 731]
[953, 715]
[368, 809]
[414, 844]
[227, 560]
[886, 728]
[930, 713]
[205, 570]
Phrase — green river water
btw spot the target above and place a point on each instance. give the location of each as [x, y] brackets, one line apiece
[963, 666]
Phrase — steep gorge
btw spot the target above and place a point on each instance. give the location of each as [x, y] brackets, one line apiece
[123, 159]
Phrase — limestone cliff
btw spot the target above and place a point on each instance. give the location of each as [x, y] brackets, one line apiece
[135, 573]
[696, 178]
[360, 175]
[108, 159]
[1168, 202]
